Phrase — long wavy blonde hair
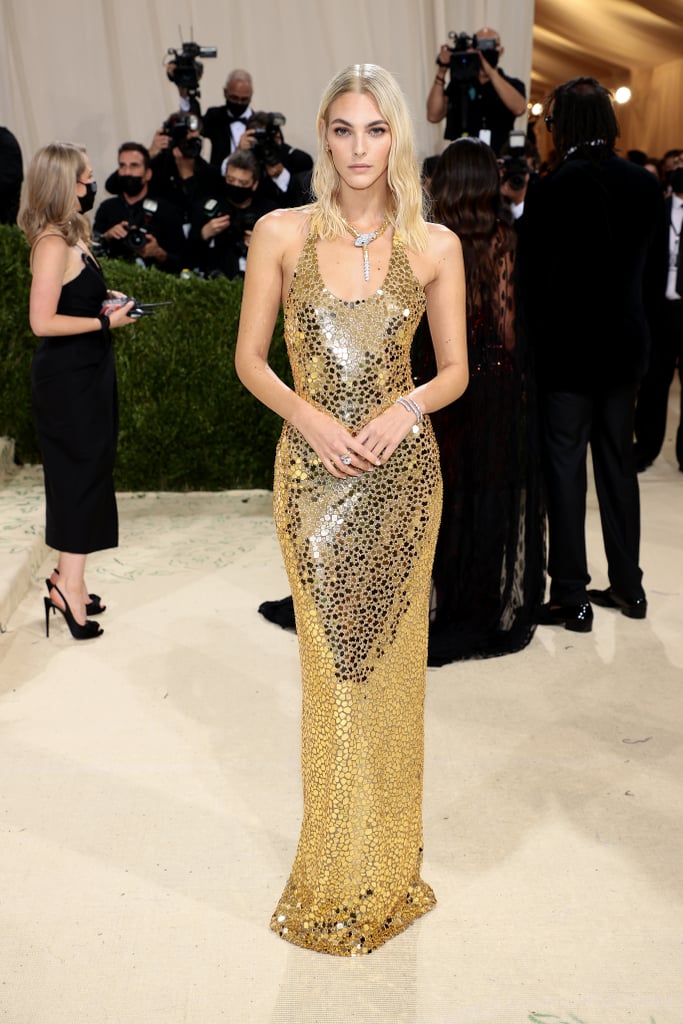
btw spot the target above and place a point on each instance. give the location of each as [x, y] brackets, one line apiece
[405, 209]
[49, 194]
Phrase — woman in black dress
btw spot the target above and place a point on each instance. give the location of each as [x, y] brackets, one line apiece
[73, 376]
[488, 575]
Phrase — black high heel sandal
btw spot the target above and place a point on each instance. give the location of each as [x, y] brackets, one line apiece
[79, 632]
[94, 605]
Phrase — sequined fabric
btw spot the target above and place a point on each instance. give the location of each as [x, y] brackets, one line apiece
[358, 554]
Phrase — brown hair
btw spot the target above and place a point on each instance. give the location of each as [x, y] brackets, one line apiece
[466, 194]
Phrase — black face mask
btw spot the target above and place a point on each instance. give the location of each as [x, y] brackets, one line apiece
[86, 202]
[131, 184]
[676, 180]
[191, 148]
[238, 194]
[237, 109]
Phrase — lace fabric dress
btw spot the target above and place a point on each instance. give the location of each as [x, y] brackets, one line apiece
[489, 575]
[358, 554]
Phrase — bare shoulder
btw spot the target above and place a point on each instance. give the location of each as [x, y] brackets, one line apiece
[51, 241]
[443, 252]
[283, 227]
[50, 248]
[442, 242]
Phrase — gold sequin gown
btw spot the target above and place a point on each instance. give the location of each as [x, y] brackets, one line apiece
[358, 554]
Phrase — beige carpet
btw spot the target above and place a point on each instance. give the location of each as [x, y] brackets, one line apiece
[150, 799]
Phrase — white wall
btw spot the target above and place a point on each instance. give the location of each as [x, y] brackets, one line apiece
[90, 71]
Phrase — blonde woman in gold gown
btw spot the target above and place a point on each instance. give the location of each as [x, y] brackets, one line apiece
[357, 500]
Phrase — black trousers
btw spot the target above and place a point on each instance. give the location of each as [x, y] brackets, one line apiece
[571, 422]
[653, 396]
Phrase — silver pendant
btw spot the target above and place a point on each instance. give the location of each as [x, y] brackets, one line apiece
[362, 240]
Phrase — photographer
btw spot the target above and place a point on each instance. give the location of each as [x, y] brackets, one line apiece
[181, 175]
[286, 171]
[224, 126]
[517, 165]
[136, 225]
[479, 100]
[222, 226]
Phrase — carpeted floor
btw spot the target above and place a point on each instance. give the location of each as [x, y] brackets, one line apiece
[150, 799]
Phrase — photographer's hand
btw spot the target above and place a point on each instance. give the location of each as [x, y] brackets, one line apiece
[215, 227]
[151, 250]
[160, 142]
[512, 99]
[117, 231]
[247, 139]
[437, 101]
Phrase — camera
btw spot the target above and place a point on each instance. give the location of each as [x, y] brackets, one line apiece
[268, 148]
[513, 164]
[137, 234]
[240, 220]
[136, 237]
[214, 208]
[188, 70]
[177, 127]
[465, 64]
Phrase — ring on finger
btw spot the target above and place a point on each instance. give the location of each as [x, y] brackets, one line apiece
[346, 458]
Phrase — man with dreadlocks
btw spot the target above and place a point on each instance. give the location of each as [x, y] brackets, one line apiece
[592, 278]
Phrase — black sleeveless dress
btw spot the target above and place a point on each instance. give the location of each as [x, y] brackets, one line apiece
[75, 412]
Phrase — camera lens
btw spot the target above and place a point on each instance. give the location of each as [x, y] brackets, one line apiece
[136, 237]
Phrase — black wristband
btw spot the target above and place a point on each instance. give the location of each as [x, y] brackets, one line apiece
[441, 64]
[104, 321]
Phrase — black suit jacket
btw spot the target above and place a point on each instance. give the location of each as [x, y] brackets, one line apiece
[679, 275]
[216, 127]
[592, 272]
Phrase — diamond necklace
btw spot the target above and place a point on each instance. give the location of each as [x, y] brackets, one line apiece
[362, 241]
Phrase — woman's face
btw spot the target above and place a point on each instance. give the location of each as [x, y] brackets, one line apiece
[84, 177]
[85, 189]
[359, 139]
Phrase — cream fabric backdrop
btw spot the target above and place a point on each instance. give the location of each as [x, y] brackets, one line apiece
[90, 71]
[620, 42]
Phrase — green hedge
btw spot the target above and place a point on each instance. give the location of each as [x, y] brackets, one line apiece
[186, 421]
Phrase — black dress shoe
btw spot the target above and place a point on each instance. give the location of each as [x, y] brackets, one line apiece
[636, 609]
[280, 612]
[577, 617]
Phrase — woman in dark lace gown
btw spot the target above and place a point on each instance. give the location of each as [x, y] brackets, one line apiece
[488, 576]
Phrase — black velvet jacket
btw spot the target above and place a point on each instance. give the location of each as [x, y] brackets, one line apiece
[592, 241]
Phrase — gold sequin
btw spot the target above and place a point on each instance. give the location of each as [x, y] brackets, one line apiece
[358, 554]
